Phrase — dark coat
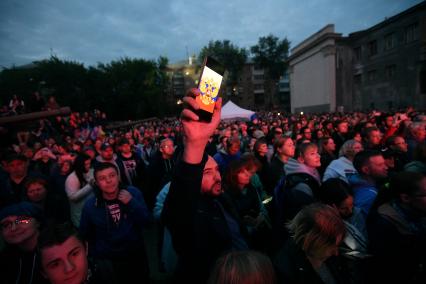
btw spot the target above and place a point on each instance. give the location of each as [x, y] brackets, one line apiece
[398, 243]
[293, 267]
[197, 223]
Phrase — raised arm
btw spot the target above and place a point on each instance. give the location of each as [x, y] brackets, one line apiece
[197, 133]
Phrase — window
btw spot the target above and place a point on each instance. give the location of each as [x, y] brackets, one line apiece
[411, 33]
[423, 81]
[389, 41]
[358, 54]
[258, 77]
[390, 71]
[258, 86]
[372, 75]
[372, 47]
[259, 99]
[358, 79]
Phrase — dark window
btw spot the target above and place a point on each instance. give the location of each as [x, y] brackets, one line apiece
[390, 71]
[358, 79]
[372, 75]
[411, 33]
[258, 77]
[258, 86]
[358, 53]
[423, 81]
[372, 47]
[389, 41]
[259, 99]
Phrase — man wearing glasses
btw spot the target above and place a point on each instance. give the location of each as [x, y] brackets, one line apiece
[19, 261]
[397, 232]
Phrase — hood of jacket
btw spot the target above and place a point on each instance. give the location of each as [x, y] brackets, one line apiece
[293, 166]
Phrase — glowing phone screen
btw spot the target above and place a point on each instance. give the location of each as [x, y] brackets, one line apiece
[209, 87]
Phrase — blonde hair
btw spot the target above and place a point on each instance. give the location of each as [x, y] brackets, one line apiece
[243, 267]
[317, 227]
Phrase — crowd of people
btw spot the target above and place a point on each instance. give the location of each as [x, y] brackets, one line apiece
[282, 198]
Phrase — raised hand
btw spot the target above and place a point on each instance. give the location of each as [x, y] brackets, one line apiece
[197, 133]
[124, 196]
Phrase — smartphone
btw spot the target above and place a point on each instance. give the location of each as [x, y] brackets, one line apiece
[209, 86]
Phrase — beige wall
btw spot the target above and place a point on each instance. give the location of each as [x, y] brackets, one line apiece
[313, 76]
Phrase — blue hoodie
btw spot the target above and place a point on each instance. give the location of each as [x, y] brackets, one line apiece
[365, 192]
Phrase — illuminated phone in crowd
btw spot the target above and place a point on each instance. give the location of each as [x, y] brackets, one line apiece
[209, 86]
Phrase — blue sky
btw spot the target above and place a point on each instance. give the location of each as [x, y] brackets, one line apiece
[92, 31]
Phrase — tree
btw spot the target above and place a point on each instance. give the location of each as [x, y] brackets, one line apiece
[271, 53]
[124, 89]
[231, 56]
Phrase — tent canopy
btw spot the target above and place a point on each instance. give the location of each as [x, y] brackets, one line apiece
[231, 110]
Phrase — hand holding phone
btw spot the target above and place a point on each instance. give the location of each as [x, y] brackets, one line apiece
[209, 86]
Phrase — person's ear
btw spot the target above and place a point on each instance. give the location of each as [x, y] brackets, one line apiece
[365, 170]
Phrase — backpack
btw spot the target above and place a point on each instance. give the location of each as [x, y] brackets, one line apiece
[282, 191]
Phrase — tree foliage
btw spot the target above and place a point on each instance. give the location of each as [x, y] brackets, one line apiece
[230, 55]
[271, 53]
[125, 89]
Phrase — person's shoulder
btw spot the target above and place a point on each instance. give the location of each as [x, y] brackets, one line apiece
[133, 190]
[91, 202]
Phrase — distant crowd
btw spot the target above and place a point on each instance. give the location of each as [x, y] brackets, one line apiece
[280, 198]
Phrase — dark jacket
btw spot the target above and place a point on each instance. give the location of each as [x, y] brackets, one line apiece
[20, 267]
[159, 173]
[197, 223]
[293, 267]
[277, 170]
[398, 243]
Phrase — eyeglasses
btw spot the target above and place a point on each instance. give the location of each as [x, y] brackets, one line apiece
[20, 220]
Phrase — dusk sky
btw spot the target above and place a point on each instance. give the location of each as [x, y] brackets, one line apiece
[93, 31]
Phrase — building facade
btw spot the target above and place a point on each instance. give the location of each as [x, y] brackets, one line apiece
[383, 67]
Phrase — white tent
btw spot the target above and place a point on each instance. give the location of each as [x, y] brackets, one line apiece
[231, 110]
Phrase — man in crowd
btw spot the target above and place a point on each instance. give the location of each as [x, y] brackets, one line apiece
[201, 224]
[63, 258]
[131, 168]
[372, 169]
[12, 189]
[339, 136]
[19, 261]
[230, 153]
[397, 232]
[160, 170]
[112, 222]
[373, 138]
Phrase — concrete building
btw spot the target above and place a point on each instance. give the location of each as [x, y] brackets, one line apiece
[383, 67]
[312, 69]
